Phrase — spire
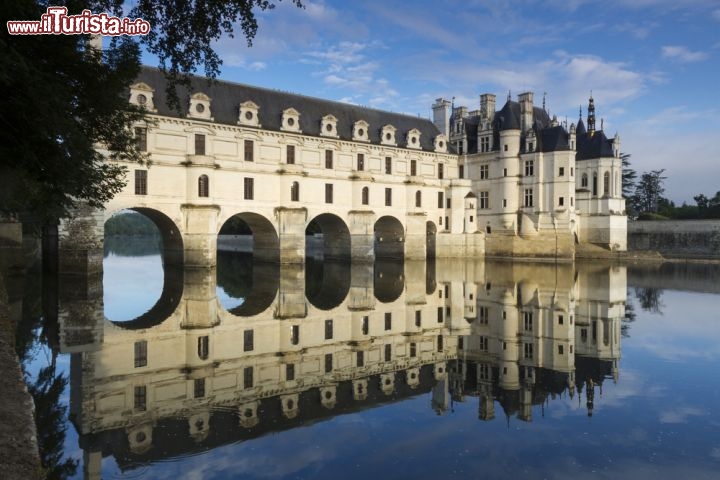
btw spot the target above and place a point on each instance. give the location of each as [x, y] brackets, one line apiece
[580, 112]
[544, 95]
[509, 96]
[591, 116]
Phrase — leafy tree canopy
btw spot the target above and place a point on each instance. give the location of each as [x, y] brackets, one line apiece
[61, 99]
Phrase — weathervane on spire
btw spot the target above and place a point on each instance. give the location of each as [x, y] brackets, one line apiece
[544, 94]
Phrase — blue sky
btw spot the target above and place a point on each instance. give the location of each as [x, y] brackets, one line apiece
[653, 66]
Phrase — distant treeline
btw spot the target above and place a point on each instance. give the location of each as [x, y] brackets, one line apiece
[130, 224]
[704, 208]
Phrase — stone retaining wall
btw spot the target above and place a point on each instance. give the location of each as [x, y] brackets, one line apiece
[676, 238]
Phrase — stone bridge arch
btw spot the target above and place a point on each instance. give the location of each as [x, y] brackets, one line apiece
[330, 234]
[253, 232]
[389, 238]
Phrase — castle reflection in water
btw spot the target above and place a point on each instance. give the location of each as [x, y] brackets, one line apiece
[308, 343]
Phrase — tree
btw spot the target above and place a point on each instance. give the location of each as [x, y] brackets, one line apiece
[67, 98]
[649, 191]
[628, 176]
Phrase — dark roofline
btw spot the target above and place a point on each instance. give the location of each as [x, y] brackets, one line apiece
[226, 97]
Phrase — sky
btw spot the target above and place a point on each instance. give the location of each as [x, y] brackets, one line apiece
[652, 66]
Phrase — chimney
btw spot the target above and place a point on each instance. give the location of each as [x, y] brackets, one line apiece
[487, 106]
[441, 115]
[526, 110]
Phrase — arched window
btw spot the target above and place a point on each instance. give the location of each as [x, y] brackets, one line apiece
[594, 183]
[606, 183]
[418, 199]
[203, 186]
[583, 182]
[365, 196]
[295, 192]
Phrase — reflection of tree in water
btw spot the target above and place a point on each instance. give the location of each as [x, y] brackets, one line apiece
[132, 246]
[235, 273]
[650, 299]
[629, 317]
[37, 331]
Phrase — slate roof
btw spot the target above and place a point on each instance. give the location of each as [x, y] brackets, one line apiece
[226, 98]
[595, 146]
[553, 139]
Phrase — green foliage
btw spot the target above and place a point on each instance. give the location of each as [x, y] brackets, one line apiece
[62, 99]
[130, 224]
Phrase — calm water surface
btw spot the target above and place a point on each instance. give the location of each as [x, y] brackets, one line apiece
[416, 370]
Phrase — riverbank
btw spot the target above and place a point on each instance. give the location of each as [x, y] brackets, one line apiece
[19, 457]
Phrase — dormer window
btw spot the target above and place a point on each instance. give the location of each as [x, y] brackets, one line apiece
[440, 143]
[387, 135]
[291, 120]
[249, 114]
[413, 138]
[141, 94]
[360, 131]
[328, 126]
[200, 106]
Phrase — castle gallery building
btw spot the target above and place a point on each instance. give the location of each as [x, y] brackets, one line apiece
[364, 182]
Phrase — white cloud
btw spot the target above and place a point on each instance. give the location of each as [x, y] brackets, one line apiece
[682, 54]
[680, 414]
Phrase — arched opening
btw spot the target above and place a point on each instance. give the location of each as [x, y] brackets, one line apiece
[245, 286]
[295, 192]
[606, 184]
[250, 233]
[365, 196]
[142, 268]
[584, 180]
[327, 237]
[418, 199]
[327, 282]
[595, 184]
[248, 253]
[430, 237]
[203, 186]
[388, 279]
[389, 238]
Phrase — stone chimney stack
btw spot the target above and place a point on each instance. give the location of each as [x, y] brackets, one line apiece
[487, 106]
[441, 115]
[526, 110]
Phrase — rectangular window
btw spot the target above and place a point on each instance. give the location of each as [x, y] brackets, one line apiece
[484, 200]
[561, 172]
[484, 344]
[141, 353]
[441, 171]
[360, 162]
[413, 349]
[461, 171]
[248, 377]
[360, 359]
[328, 329]
[290, 372]
[388, 197]
[440, 314]
[388, 165]
[249, 190]
[388, 353]
[328, 362]
[441, 202]
[484, 144]
[365, 325]
[528, 321]
[504, 202]
[440, 343]
[295, 334]
[561, 349]
[248, 341]
[561, 320]
[528, 347]
[528, 197]
[418, 318]
[561, 201]
[504, 172]
[484, 172]
[140, 400]
[571, 201]
[203, 347]
[328, 159]
[388, 321]
[447, 202]
[505, 147]
[141, 138]
[199, 388]
[531, 146]
[249, 151]
[328, 193]
[290, 157]
[199, 144]
[529, 168]
[572, 171]
[140, 182]
[483, 315]
[413, 167]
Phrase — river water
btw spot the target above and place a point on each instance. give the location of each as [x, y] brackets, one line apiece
[445, 369]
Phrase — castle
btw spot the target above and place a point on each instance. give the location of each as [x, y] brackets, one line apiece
[535, 178]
